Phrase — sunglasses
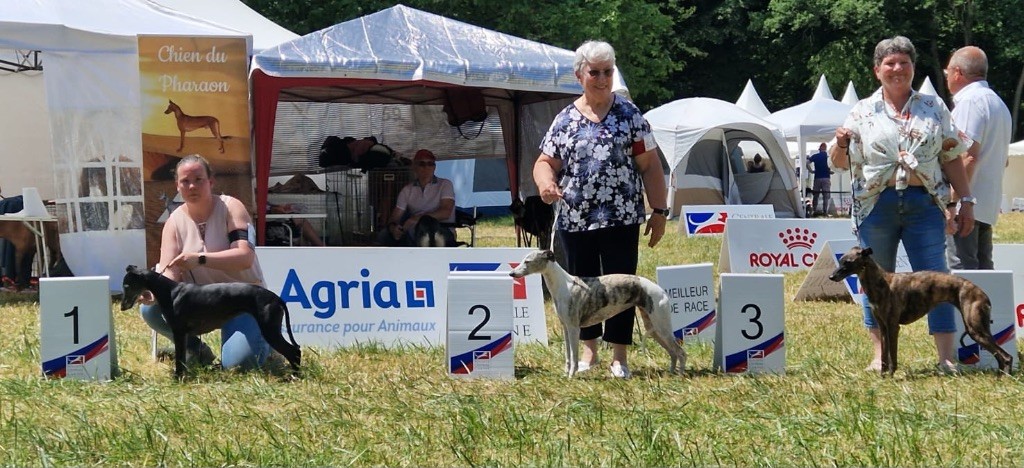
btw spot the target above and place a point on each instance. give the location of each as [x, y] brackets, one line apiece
[608, 72]
[426, 163]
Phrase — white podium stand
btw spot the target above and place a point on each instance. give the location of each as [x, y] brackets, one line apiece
[691, 291]
[750, 337]
[999, 287]
[480, 324]
[76, 328]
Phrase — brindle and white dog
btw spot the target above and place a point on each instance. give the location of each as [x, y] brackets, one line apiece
[582, 302]
[902, 298]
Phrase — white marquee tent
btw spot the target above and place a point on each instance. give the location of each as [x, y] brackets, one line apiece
[813, 121]
[751, 102]
[850, 96]
[1013, 177]
[93, 98]
[707, 142]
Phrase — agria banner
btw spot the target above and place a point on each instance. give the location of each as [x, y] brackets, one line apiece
[342, 296]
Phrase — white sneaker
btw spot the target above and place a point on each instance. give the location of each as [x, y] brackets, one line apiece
[944, 368]
[582, 366]
[620, 371]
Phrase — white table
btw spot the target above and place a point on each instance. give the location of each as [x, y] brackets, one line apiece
[35, 224]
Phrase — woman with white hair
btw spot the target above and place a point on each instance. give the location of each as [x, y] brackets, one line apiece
[597, 160]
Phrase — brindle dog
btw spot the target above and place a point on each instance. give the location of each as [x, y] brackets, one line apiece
[902, 298]
[192, 309]
[582, 302]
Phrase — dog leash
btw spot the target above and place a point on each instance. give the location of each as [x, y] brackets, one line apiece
[554, 222]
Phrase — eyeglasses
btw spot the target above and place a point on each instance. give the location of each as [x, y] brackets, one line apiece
[946, 71]
[608, 72]
[426, 163]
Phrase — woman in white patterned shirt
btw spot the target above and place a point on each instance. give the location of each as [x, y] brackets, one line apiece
[904, 153]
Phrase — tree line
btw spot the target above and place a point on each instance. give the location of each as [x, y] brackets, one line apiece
[673, 49]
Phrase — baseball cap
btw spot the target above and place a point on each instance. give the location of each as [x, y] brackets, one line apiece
[424, 155]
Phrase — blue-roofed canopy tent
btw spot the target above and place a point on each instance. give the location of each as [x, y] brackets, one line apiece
[388, 75]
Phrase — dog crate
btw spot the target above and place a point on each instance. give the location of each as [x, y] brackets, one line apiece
[359, 203]
[384, 185]
[347, 215]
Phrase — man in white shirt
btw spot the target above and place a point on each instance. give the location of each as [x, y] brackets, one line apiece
[982, 115]
[425, 196]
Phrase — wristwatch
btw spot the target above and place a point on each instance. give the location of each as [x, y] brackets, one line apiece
[202, 259]
[971, 200]
[662, 211]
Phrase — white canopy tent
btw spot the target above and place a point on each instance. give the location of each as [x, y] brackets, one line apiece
[28, 130]
[707, 142]
[813, 121]
[235, 15]
[389, 75]
[94, 103]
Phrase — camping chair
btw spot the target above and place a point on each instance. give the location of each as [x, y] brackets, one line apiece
[465, 219]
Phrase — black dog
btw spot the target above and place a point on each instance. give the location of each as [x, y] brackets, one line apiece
[429, 232]
[192, 309]
[902, 298]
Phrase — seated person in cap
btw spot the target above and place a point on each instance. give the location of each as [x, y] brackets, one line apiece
[426, 195]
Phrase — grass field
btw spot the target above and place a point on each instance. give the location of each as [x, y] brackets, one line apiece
[369, 406]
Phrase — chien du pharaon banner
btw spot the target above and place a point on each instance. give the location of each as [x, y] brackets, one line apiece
[195, 100]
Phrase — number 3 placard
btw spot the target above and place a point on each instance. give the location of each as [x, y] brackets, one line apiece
[480, 323]
[750, 336]
[76, 328]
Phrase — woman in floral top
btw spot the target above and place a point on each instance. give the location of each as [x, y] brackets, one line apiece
[597, 159]
[904, 153]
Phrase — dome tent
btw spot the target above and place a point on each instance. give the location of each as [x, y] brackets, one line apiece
[706, 143]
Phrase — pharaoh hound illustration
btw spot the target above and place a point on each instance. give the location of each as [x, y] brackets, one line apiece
[188, 123]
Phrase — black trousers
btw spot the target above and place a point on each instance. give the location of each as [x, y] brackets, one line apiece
[601, 252]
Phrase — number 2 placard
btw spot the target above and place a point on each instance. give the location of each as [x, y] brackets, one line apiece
[76, 328]
[480, 323]
[750, 337]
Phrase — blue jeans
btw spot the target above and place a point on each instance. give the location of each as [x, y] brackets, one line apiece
[242, 344]
[912, 216]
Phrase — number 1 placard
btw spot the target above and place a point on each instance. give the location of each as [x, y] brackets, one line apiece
[750, 336]
[480, 323]
[76, 328]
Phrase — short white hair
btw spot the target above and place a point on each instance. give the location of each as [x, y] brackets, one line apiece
[593, 52]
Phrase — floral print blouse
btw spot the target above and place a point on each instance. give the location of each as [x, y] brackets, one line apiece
[920, 140]
[601, 187]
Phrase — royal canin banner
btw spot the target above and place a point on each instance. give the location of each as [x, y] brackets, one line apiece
[777, 245]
